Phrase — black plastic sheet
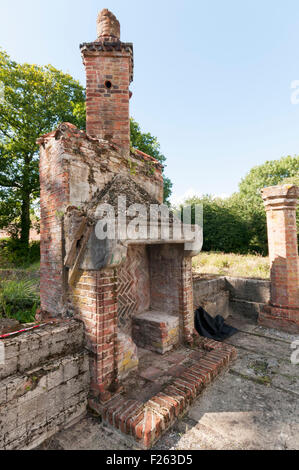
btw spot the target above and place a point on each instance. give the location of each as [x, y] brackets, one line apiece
[214, 328]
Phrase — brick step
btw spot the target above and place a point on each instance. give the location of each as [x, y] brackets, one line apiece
[145, 423]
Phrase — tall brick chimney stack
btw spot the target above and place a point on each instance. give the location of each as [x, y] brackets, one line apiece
[109, 71]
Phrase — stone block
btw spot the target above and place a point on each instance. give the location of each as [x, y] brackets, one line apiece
[39, 402]
[252, 290]
[156, 331]
[245, 308]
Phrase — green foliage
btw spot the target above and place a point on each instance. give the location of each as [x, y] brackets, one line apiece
[132, 167]
[36, 99]
[292, 180]
[13, 254]
[238, 224]
[271, 173]
[19, 300]
[149, 144]
[79, 113]
[224, 229]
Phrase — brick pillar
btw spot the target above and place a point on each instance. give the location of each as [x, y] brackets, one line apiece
[54, 198]
[109, 71]
[95, 296]
[283, 310]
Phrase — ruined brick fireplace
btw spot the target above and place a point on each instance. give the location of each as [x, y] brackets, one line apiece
[128, 292]
[133, 294]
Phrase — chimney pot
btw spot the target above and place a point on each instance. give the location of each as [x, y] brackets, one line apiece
[108, 25]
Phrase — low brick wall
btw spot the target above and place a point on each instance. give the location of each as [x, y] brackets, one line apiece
[44, 384]
[225, 295]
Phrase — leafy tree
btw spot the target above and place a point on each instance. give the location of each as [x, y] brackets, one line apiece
[238, 223]
[35, 100]
[292, 180]
[271, 173]
[150, 145]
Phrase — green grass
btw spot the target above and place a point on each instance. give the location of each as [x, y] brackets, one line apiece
[33, 267]
[230, 264]
[19, 299]
[13, 256]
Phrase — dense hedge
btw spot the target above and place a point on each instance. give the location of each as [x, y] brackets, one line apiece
[225, 228]
[238, 224]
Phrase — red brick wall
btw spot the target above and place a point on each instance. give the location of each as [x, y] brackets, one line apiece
[186, 300]
[133, 286]
[95, 296]
[171, 285]
[282, 234]
[54, 197]
[73, 167]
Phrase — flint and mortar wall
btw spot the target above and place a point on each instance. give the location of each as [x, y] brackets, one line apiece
[44, 384]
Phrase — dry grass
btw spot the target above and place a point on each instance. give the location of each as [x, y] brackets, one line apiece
[231, 264]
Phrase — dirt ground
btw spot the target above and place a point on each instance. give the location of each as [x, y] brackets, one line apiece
[254, 405]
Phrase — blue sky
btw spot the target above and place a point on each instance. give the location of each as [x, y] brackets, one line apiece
[212, 78]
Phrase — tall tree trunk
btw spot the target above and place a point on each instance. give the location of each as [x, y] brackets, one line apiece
[25, 221]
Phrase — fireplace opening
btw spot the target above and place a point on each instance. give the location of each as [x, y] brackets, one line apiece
[149, 303]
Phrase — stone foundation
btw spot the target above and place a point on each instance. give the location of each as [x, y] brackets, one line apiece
[212, 295]
[247, 296]
[44, 384]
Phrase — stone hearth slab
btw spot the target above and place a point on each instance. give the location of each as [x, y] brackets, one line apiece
[144, 422]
